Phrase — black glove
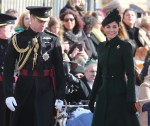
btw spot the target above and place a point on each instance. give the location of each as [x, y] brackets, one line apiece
[131, 107]
[91, 105]
[72, 79]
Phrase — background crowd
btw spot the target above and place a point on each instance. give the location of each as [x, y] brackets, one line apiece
[80, 33]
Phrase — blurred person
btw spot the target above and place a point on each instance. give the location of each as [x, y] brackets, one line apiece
[75, 5]
[144, 96]
[23, 23]
[41, 83]
[147, 13]
[129, 20]
[114, 95]
[74, 34]
[120, 5]
[122, 32]
[144, 32]
[83, 85]
[96, 30]
[6, 29]
[146, 64]
[99, 18]
[13, 12]
[90, 22]
[55, 26]
[139, 58]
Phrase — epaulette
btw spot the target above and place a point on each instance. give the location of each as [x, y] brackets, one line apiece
[51, 33]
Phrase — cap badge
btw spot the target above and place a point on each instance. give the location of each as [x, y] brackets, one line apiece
[46, 38]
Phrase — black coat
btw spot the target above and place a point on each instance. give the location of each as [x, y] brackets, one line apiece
[81, 91]
[133, 34]
[3, 48]
[93, 42]
[111, 91]
[35, 95]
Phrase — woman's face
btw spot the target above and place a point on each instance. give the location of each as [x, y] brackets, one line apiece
[129, 18]
[27, 20]
[69, 22]
[55, 28]
[111, 30]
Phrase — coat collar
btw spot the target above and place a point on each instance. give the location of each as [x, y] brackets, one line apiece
[112, 42]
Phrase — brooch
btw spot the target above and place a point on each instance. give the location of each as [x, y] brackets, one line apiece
[118, 46]
[45, 56]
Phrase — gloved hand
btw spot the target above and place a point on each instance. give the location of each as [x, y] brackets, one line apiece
[132, 108]
[58, 104]
[11, 103]
[72, 79]
[91, 105]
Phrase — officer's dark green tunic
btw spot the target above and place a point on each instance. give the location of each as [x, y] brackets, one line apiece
[111, 90]
[35, 95]
[3, 48]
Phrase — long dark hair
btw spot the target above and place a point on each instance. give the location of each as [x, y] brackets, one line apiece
[79, 24]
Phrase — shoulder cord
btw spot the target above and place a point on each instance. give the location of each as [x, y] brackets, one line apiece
[22, 51]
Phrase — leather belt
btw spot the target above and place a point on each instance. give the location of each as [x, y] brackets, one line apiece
[35, 73]
[46, 73]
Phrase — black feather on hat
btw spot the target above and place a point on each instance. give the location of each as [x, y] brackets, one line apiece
[112, 16]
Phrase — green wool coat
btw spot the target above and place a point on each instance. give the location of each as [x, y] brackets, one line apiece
[114, 87]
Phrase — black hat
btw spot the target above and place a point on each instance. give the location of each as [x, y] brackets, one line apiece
[112, 16]
[6, 19]
[41, 13]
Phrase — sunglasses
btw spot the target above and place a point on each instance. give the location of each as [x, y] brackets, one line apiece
[69, 19]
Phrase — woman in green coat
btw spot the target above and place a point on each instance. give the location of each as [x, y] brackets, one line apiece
[114, 89]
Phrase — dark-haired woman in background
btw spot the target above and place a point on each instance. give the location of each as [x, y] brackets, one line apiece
[73, 34]
[114, 86]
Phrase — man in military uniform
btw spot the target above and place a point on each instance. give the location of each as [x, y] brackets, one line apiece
[6, 29]
[41, 80]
